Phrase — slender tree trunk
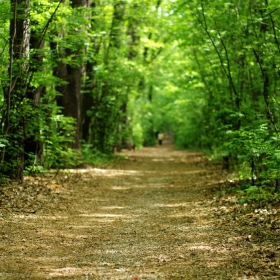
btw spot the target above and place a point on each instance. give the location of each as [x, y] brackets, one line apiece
[88, 87]
[261, 60]
[32, 143]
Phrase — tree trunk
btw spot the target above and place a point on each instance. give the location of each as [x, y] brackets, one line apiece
[105, 98]
[12, 159]
[32, 143]
[88, 88]
[70, 99]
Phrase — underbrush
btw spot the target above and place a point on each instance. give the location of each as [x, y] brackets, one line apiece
[89, 156]
[245, 193]
[92, 156]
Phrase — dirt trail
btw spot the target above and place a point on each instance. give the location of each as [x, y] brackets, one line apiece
[152, 216]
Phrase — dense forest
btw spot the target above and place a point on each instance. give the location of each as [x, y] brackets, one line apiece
[81, 78]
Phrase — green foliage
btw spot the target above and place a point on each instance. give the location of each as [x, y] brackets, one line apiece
[4, 45]
[94, 157]
[254, 146]
[33, 170]
[260, 195]
[3, 143]
[138, 137]
[57, 140]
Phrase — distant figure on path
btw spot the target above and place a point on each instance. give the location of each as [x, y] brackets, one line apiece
[160, 138]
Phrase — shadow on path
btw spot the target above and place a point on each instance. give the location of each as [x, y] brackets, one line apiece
[148, 217]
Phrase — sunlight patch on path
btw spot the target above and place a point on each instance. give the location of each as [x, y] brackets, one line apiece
[149, 217]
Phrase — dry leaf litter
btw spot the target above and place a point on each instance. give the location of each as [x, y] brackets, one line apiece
[153, 215]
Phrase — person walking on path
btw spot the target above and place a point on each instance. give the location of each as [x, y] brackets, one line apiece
[160, 138]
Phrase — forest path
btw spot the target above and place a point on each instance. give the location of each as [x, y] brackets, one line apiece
[151, 216]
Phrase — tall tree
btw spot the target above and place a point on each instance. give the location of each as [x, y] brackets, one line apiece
[104, 108]
[15, 91]
[70, 65]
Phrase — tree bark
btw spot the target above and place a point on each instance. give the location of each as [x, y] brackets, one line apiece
[70, 98]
